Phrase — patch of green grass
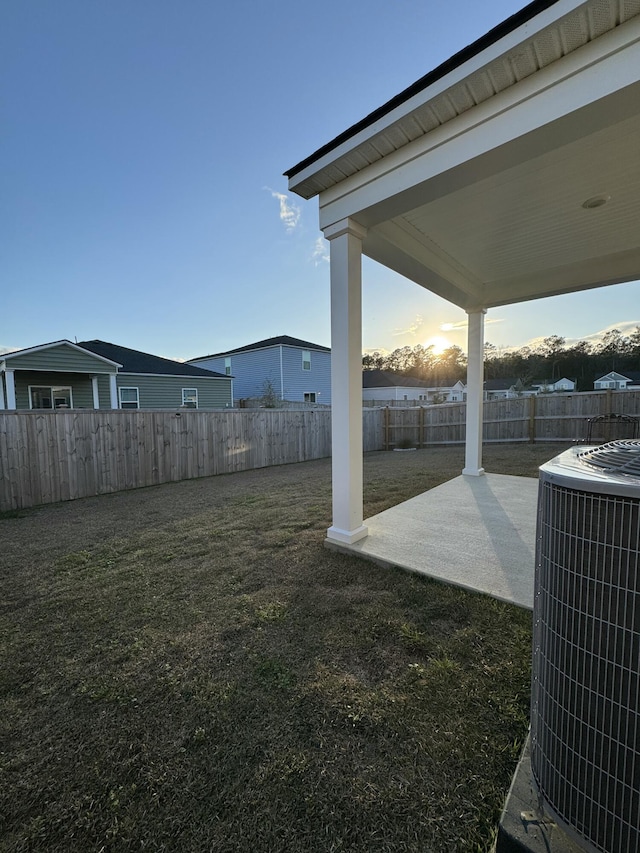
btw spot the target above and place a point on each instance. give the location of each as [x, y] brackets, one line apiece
[209, 677]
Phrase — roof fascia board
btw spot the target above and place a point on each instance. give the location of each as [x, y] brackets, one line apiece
[598, 70]
[63, 342]
[526, 31]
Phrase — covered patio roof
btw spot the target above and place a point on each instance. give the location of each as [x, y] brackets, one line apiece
[510, 173]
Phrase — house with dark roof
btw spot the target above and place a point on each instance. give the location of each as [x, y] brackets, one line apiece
[280, 368]
[387, 386]
[100, 375]
[614, 381]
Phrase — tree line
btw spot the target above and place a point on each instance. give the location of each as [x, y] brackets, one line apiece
[550, 360]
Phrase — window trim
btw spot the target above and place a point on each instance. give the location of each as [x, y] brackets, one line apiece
[227, 366]
[51, 389]
[310, 394]
[306, 361]
[185, 403]
[127, 403]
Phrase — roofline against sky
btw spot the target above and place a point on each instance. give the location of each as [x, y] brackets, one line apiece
[507, 26]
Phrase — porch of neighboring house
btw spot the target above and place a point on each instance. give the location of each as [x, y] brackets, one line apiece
[473, 532]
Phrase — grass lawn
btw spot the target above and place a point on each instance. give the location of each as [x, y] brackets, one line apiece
[187, 668]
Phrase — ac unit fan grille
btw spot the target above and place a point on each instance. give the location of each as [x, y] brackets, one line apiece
[615, 457]
[586, 685]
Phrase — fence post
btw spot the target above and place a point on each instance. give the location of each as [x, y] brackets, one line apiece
[386, 427]
[421, 427]
[608, 402]
[532, 419]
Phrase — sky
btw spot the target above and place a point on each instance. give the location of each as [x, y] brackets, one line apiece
[143, 148]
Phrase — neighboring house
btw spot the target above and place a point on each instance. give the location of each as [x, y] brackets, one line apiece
[388, 385]
[503, 389]
[630, 380]
[543, 386]
[100, 375]
[457, 393]
[292, 370]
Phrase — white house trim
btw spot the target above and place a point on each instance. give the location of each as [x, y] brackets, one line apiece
[113, 392]
[281, 376]
[11, 388]
[94, 389]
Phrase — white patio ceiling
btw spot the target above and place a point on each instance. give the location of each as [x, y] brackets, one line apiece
[473, 182]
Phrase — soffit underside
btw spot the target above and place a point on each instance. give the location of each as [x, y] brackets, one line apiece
[524, 233]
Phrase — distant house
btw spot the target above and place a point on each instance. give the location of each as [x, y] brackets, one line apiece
[457, 393]
[387, 385]
[544, 386]
[99, 375]
[503, 389]
[630, 380]
[294, 370]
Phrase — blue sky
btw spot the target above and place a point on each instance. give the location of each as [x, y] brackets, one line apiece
[143, 148]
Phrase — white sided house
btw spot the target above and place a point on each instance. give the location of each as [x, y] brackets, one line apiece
[288, 368]
[617, 381]
[560, 385]
[99, 375]
[387, 386]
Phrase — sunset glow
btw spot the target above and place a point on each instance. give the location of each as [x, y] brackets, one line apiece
[438, 343]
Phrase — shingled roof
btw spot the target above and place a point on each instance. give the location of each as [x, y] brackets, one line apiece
[390, 379]
[134, 361]
[282, 340]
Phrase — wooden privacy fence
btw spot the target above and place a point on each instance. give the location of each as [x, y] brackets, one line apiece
[552, 417]
[54, 456]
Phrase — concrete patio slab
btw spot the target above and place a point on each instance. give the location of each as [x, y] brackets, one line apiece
[474, 532]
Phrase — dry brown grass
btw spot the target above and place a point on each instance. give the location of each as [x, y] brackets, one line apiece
[186, 668]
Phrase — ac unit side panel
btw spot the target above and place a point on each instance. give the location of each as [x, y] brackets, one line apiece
[586, 662]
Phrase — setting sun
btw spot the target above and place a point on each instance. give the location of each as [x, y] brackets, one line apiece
[438, 343]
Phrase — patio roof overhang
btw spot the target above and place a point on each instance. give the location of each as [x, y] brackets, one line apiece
[515, 175]
[510, 173]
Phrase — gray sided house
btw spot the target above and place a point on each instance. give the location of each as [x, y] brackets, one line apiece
[294, 370]
[100, 375]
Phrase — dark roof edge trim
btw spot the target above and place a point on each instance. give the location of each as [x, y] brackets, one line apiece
[507, 26]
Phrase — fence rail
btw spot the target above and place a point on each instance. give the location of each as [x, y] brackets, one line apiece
[53, 456]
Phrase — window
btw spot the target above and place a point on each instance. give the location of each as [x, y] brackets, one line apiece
[310, 396]
[129, 398]
[227, 366]
[50, 398]
[190, 398]
[306, 360]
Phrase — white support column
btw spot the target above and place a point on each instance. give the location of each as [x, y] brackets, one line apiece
[475, 393]
[11, 389]
[96, 395]
[113, 391]
[346, 239]
[2, 404]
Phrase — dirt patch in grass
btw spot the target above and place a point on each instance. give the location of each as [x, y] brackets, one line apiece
[186, 668]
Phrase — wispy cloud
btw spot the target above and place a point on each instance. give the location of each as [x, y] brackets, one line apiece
[461, 325]
[289, 211]
[5, 350]
[625, 327]
[412, 328]
[320, 252]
